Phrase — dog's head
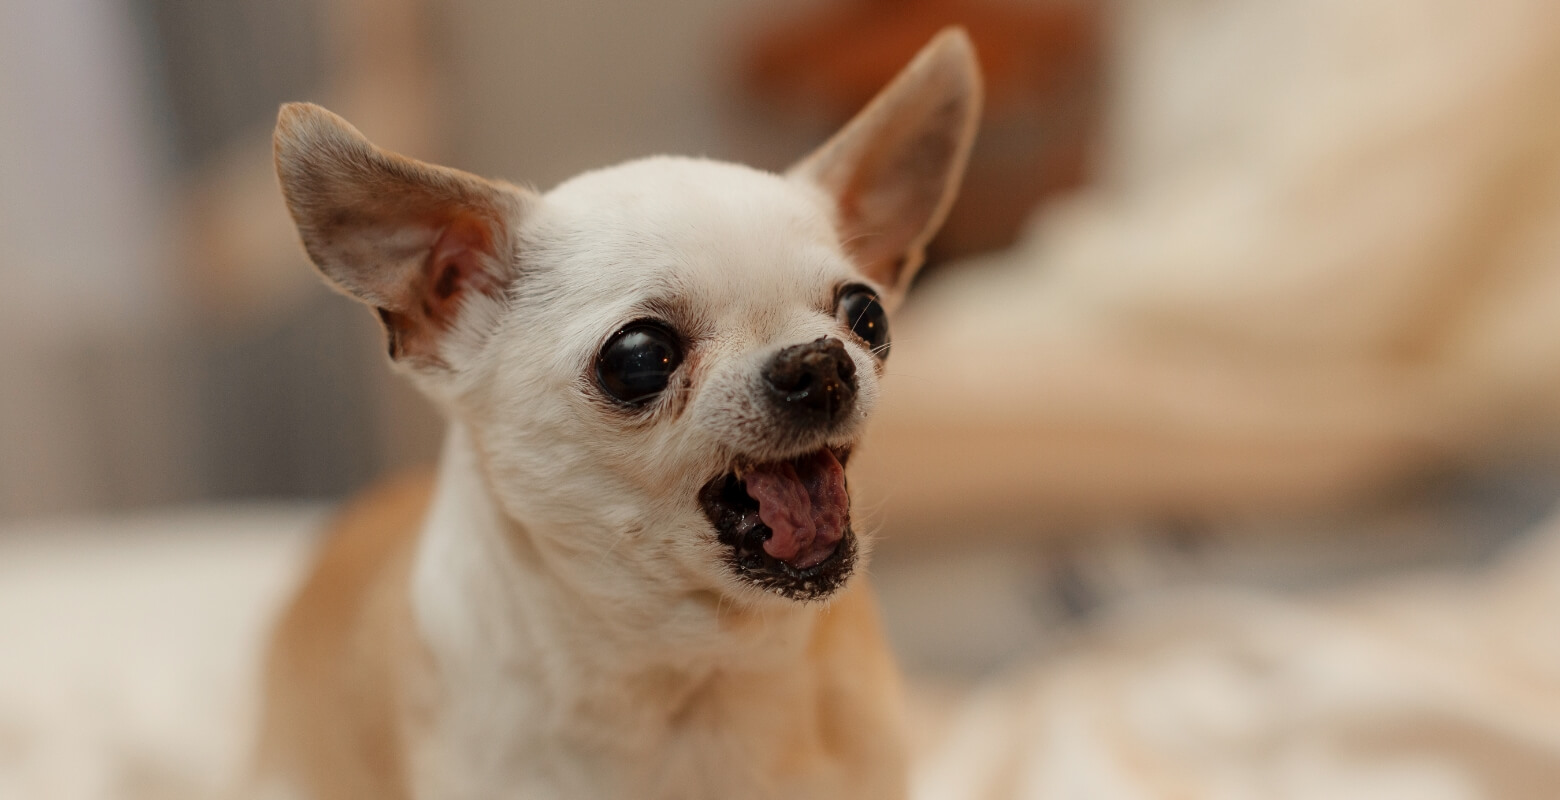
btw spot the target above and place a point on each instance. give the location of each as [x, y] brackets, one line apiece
[663, 365]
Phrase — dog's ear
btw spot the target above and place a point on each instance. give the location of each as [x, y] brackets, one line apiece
[420, 243]
[894, 169]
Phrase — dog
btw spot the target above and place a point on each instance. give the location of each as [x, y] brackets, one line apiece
[634, 573]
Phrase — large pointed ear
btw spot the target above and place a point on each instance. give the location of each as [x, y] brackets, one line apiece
[420, 243]
[894, 170]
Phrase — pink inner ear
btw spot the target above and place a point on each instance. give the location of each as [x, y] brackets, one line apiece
[875, 239]
[458, 262]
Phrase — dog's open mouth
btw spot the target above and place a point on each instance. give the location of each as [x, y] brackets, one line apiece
[787, 522]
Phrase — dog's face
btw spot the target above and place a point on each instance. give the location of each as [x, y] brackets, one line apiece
[684, 366]
[663, 365]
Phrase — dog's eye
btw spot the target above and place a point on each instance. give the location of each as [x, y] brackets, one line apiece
[859, 308]
[637, 362]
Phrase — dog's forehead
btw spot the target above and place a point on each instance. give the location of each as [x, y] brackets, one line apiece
[680, 226]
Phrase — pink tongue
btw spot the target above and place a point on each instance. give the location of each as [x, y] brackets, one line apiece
[805, 506]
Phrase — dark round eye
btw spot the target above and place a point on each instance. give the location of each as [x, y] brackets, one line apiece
[637, 362]
[859, 308]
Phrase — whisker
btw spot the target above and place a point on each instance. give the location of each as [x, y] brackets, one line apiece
[858, 237]
[601, 560]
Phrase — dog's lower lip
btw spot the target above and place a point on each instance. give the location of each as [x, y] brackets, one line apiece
[817, 559]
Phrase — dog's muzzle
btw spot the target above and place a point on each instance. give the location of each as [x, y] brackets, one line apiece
[787, 523]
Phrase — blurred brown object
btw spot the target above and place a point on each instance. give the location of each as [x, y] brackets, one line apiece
[1042, 64]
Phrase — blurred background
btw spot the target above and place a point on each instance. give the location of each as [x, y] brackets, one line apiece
[1252, 303]
[171, 343]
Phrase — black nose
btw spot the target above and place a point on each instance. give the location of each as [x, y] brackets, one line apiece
[816, 379]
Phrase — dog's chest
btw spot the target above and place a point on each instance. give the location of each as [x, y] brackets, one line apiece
[530, 696]
[727, 741]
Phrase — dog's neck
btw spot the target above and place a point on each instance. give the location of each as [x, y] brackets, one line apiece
[511, 640]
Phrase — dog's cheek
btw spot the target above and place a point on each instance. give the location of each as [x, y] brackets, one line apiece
[869, 384]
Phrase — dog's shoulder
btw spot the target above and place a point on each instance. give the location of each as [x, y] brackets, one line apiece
[375, 531]
[344, 650]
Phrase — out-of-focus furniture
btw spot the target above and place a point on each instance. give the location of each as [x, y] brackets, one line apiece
[1044, 87]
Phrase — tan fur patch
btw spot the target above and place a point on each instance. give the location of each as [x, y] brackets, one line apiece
[344, 660]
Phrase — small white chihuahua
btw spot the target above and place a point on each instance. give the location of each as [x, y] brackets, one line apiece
[631, 577]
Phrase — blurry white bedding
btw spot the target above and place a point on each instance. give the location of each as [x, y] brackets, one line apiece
[1434, 685]
[129, 651]
[129, 648]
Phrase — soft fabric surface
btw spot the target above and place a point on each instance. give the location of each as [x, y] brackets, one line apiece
[130, 649]
[1432, 686]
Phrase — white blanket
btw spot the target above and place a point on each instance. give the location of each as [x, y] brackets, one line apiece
[1423, 687]
[129, 652]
